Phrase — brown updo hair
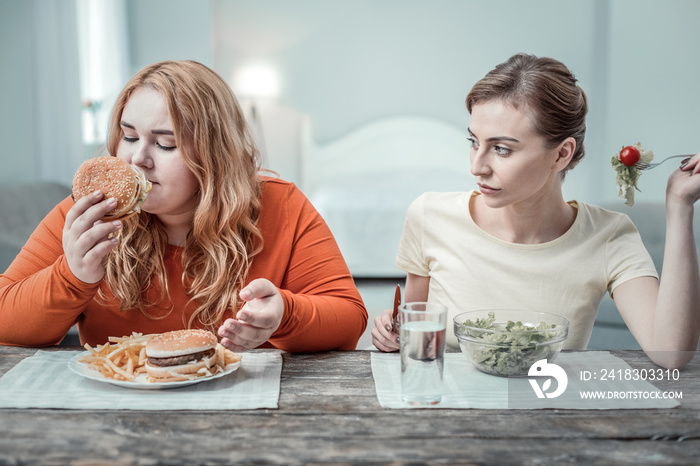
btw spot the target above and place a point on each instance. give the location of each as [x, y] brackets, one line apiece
[548, 89]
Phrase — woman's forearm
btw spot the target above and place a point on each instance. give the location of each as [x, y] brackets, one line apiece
[676, 325]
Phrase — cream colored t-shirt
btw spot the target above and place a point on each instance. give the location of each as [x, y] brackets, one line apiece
[470, 269]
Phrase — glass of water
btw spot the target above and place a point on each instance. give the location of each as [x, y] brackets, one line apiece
[422, 338]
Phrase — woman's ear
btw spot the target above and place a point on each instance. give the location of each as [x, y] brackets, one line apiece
[565, 152]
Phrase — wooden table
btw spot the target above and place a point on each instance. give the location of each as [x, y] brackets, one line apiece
[328, 413]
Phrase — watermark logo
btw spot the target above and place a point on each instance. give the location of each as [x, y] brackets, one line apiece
[544, 369]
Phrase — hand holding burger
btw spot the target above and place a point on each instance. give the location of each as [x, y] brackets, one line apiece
[106, 190]
[115, 178]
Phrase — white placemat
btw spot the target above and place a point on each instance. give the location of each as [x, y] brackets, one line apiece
[466, 387]
[44, 381]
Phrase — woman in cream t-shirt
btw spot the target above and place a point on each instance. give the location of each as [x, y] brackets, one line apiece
[470, 269]
[516, 243]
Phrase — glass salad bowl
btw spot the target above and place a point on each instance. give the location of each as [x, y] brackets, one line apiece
[506, 342]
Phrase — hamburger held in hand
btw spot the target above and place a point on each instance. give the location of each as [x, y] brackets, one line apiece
[115, 178]
[183, 355]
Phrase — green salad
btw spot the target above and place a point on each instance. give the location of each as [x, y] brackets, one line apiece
[628, 176]
[513, 348]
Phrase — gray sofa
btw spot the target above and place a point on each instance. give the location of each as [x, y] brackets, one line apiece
[22, 207]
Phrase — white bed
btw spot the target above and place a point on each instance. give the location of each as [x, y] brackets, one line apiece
[363, 182]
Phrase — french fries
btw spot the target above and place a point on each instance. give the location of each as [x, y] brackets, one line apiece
[124, 358]
[225, 356]
[121, 358]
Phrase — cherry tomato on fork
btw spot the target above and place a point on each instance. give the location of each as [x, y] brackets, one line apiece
[629, 155]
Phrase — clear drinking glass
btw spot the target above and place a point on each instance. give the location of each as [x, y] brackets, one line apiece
[422, 338]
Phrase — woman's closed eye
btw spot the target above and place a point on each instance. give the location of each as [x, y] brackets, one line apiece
[160, 146]
[165, 148]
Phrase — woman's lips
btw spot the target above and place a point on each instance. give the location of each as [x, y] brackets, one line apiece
[486, 189]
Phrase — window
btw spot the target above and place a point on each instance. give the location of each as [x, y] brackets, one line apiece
[104, 62]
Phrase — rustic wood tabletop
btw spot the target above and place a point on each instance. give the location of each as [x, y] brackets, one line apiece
[328, 413]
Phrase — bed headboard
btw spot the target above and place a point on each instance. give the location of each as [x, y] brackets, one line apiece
[384, 146]
[363, 183]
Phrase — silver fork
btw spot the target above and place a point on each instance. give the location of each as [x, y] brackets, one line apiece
[647, 166]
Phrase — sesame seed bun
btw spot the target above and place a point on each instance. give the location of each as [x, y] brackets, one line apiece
[180, 342]
[115, 178]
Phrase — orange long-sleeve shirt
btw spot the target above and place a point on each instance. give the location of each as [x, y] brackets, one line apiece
[41, 299]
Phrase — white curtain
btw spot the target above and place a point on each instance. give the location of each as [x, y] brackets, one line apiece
[58, 145]
[104, 62]
[80, 53]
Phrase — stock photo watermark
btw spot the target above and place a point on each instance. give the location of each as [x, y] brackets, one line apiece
[611, 383]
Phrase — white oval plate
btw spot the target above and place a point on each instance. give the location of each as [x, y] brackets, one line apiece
[140, 383]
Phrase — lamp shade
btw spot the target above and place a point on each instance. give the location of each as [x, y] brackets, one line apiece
[256, 81]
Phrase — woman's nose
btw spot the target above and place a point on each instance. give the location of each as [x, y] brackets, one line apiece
[478, 163]
[141, 157]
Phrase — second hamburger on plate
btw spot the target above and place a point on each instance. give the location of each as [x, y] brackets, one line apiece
[184, 355]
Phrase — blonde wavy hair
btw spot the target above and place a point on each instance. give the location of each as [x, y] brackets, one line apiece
[215, 143]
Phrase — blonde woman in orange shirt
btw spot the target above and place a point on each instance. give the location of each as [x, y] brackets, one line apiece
[217, 246]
